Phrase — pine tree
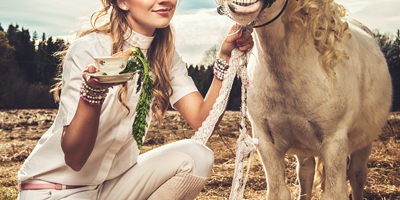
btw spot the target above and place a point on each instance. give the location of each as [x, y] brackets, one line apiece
[12, 85]
[34, 36]
[6, 54]
[391, 50]
[24, 51]
[393, 59]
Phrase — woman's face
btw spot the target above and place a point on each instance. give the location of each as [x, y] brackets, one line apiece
[144, 16]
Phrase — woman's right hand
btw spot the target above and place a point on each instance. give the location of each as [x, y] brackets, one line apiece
[94, 82]
[237, 38]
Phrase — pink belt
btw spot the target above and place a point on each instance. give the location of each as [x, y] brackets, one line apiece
[39, 186]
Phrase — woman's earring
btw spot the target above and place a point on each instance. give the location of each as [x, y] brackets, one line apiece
[124, 8]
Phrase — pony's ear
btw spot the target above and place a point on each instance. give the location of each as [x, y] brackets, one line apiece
[123, 5]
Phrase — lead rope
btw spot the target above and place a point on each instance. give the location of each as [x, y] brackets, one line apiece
[245, 146]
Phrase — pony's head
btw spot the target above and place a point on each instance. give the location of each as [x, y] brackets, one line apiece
[320, 20]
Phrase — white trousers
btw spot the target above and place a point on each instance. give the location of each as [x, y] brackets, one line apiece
[152, 170]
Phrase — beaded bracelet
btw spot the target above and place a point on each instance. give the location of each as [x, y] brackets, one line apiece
[93, 96]
[220, 68]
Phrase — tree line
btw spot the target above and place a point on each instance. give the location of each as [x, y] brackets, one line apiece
[29, 66]
[390, 46]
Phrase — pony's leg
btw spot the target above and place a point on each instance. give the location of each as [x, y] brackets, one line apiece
[357, 172]
[274, 166]
[305, 175]
[334, 155]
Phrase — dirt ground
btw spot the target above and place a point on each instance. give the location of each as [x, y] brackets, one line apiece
[21, 129]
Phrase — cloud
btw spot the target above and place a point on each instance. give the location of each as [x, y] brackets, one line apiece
[54, 17]
[197, 31]
[382, 15]
[196, 4]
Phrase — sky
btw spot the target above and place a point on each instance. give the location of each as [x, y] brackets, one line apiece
[197, 25]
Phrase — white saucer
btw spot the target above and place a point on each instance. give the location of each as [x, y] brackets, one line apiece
[119, 78]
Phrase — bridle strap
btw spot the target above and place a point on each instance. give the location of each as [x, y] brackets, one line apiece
[275, 18]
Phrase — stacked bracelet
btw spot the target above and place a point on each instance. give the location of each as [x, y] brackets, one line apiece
[94, 96]
[220, 68]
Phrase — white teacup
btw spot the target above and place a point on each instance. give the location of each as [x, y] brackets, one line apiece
[111, 65]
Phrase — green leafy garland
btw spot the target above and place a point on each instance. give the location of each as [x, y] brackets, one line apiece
[137, 62]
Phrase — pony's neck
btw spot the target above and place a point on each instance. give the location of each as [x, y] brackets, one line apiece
[269, 36]
[274, 33]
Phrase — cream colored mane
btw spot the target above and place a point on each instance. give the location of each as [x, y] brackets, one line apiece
[323, 21]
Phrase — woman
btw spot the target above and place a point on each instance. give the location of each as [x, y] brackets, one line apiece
[89, 152]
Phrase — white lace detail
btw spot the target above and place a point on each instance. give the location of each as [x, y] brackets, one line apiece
[205, 131]
[245, 146]
[136, 39]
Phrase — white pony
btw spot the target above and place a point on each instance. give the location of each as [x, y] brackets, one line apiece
[319, 87]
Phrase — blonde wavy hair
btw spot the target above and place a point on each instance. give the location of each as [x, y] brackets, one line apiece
[323, 21]
[159, 54]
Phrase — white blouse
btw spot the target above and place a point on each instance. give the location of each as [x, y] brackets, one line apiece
[115, 149]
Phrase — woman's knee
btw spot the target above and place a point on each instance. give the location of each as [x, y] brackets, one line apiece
[203, 157]
[204, 154]
[186, 163]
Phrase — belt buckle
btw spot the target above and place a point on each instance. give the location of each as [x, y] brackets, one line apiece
[58, 186]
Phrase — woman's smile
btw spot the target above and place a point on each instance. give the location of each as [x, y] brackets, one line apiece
[163, 11]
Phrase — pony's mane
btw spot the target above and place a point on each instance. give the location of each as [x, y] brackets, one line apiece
[323, 21]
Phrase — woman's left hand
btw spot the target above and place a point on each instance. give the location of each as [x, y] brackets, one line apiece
[237, 38]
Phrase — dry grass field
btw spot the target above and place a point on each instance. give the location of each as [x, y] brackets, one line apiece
[21, 129]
